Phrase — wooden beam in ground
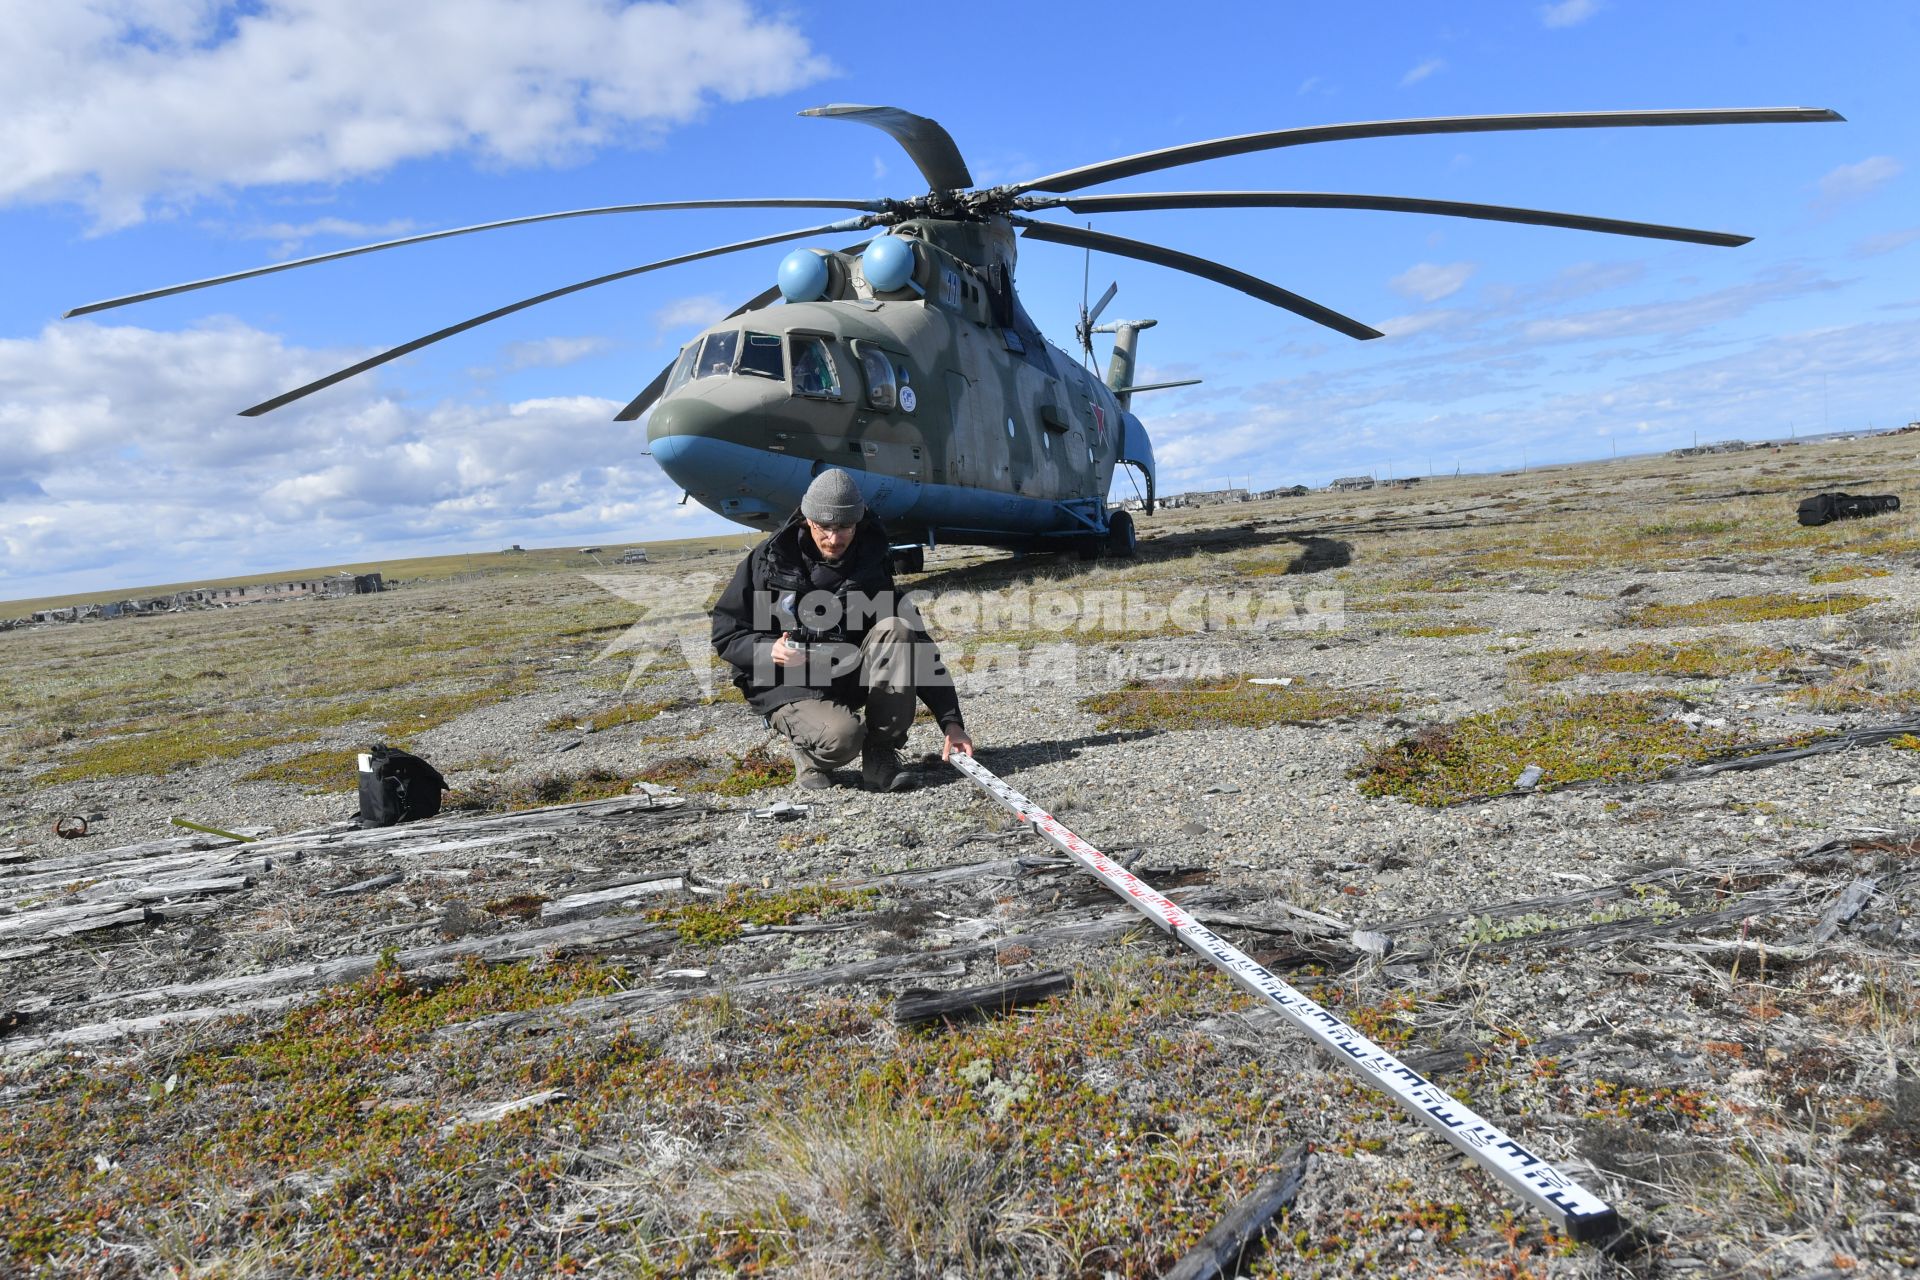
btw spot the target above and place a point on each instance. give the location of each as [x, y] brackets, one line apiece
[917, 1007]
[1221, 1251]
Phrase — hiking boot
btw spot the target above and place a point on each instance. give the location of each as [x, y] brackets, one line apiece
[880, 769]
[810, 776]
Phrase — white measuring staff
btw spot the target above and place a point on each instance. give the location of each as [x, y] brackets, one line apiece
[1577, 1211]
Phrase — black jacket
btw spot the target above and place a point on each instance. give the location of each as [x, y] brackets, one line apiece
[784, 585]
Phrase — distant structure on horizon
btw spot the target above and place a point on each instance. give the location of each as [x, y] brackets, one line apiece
[342, 584]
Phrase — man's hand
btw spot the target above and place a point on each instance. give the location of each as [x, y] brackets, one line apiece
[786, 653]
[957, 740]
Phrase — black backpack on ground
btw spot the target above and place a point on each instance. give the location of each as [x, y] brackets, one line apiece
[1827, 507]
[396, 786]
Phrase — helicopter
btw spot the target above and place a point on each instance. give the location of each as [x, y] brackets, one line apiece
[908, 359]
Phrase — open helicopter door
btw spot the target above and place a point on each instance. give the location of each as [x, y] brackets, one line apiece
[1136, 451]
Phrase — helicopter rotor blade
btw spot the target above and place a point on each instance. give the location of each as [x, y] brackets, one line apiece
[1202, 267]
[644, 401]
[872, 206]
[926, 142]
[1170, 157]
[1135, 202]
[1093, 317]
[267, 406]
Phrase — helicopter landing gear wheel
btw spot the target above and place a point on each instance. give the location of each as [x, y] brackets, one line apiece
[1121, 542]
[910, 560]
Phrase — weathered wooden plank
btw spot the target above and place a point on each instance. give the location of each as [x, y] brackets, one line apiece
[1851, 901]
[612, 896]
[366, 886]
[1221, 1251]
[64, 922]
[190, 888]
[917, 1006]
[498, 1111]
[350, 968]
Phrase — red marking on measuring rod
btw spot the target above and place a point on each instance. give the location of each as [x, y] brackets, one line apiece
[1579, 1212]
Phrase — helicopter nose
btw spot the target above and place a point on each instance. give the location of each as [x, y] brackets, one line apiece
[682, 418]
[689, 440]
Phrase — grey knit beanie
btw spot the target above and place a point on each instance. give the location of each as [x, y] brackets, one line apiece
[833, 498]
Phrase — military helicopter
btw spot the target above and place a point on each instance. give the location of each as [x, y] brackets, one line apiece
[908, 359]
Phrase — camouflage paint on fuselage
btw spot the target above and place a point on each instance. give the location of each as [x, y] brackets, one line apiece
[993, 435]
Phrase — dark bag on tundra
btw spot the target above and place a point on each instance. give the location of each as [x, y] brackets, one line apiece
[396, 786]
[1827, 507]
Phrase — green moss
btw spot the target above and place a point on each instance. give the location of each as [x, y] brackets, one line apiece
[710, 923]
[314, 772]
[1711, 658]
[1757, 608]
[612, 717]
[673, 771]
[487, 795]
[1615, 737]
[1845, 573]
[159, 751]
[755, 771]
[1228, 702]
[1438, 631]
[1861, 687]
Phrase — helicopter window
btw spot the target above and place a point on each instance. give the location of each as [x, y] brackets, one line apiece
[717, 356]
[682, 368]
[877, 368]
[762, 356]
[813, 371]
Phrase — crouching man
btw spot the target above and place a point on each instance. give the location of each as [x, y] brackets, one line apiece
[816, 632]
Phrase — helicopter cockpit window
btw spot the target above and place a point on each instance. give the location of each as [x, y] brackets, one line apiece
[682, 368]
[763, 357]
[877, 367]
[813, 371]
[716, 357]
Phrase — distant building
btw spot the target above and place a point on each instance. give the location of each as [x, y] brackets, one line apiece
[1350, 484]
[343, 584]
[1701, 450]
[1206, 498]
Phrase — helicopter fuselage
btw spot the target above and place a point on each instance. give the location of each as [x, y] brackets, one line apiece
[958, 420]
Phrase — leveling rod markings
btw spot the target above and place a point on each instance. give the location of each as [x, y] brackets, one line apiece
[1579, 1212]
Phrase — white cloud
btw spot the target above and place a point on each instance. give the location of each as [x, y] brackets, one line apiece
[339, 228]
[1886, 242]
[687, 314]
[1677, 316]
[1422, 71]
[121, 106]
[1854, 181]
[110, 433]
[549, 353]
[1431, 281]
[1568, 13]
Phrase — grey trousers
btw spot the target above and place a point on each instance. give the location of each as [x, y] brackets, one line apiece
[828, 735]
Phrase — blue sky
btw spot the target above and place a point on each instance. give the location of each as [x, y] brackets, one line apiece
[143, 144]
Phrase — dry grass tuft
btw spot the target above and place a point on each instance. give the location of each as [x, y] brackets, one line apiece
[867, 1191]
